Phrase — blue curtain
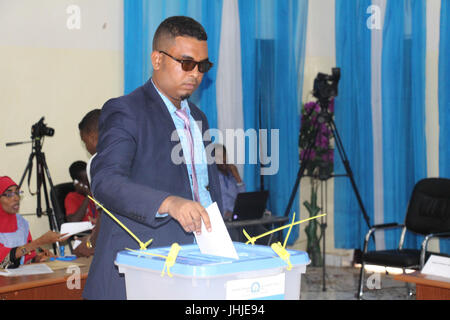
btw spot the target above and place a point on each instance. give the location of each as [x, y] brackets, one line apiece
[273, 35]
[403, 99]
[353, 118]
[444, 101]
[142, 17]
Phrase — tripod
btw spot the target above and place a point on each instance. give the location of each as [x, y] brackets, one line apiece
[42, 173]
[326, 117]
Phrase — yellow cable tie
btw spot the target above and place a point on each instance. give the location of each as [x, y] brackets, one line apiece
[289, 231]
[253, 239]
[171, 258]
[142, 245]
[147, 253]
[145, 245]
[282, 253]
[250, 239]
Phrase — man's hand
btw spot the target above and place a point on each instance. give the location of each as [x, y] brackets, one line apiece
[187, 212]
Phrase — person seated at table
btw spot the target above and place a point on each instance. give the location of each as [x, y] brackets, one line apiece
[231, 185]
[88, 127]
[230, 181]
[78, 206]
[16, 244]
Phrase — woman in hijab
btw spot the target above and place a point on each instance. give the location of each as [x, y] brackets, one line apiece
[16, 244]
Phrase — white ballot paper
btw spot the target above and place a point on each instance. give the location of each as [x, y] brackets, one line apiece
[437, 266]
[25, 270]
[218, 241]
[75, 227]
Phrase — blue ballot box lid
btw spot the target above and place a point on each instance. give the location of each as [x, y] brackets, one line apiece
[191, 262]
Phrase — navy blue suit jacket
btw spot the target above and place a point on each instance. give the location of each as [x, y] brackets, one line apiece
[132, 174]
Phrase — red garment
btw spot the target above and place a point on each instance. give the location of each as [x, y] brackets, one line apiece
[74, 200]
[4, 251]
[8, 222]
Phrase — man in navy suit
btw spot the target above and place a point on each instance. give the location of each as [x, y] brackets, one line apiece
[136, 173]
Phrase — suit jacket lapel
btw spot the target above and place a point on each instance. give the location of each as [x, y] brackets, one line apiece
[155, 101]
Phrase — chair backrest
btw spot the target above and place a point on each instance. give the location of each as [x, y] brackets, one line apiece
[61, 190]
[429, 207]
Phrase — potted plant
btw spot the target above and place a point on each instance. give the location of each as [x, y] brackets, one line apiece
[317, 153]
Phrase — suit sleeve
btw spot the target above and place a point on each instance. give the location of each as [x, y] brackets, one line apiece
[111, 167]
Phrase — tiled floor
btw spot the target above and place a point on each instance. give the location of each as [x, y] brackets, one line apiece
[341, 283]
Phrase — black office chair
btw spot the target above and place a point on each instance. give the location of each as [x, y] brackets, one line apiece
[428, 214]
[61, 191]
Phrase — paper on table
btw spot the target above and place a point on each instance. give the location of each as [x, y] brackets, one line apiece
[75, 227]
[437, 266]
[218, 241]
[29, 269]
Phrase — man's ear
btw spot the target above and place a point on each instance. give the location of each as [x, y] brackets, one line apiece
[156, 60]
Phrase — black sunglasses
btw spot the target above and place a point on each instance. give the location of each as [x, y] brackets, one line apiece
[189, 65]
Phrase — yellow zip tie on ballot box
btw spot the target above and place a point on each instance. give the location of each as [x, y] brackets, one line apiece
[279, 249]
[171, 257]
[142, 245]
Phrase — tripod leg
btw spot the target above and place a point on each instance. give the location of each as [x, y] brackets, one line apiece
[28, 168]
[348, 169]
[50, 212]
[301, 172]
[39, 179]
[52, 217]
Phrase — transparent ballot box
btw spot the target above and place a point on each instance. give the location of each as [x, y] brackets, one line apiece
[259, 273]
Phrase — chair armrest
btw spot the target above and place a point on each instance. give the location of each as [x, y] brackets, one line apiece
[387, 225]
[382, 227]
[425, 241]
[439, 235]
[377, 227]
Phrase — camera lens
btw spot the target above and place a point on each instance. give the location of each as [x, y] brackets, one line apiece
[49, 131]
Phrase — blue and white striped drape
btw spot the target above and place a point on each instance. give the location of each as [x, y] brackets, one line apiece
[403, 101]
[273, 35]
[444, 100]
[142, 17]
[353, 121]
[380, 110]
[397, 86]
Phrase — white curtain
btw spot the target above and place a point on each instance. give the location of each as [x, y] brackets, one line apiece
[229, 77]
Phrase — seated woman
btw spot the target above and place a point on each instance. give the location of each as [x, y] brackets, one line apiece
[16, 245]
[231, 185]
[78, 206]
[230, 181]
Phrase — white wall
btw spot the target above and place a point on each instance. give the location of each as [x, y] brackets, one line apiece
[50, 70]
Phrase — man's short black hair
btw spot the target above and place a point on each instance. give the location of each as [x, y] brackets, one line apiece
[178, 26]
[76, 169]
[89, 123]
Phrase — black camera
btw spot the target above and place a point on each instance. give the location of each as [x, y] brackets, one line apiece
[39, 130]
[326, 86]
